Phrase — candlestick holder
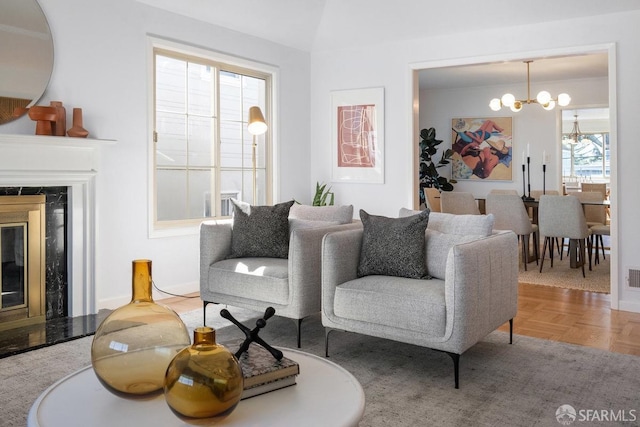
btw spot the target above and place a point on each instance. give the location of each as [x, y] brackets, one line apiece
[544, 179]
[528, 195]
[524, 183]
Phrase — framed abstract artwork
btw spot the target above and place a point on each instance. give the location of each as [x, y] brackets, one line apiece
[482, 149]
[357, 135]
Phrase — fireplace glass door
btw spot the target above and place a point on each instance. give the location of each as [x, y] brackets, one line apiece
[14, 264]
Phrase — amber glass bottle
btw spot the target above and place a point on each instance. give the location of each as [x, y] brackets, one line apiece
[204, 380]
[134, 345]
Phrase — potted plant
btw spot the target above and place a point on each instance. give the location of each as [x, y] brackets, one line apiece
[429, 174]
[322, 194]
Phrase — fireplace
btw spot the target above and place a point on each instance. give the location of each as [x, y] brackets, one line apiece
[68, 165]
[22, 271]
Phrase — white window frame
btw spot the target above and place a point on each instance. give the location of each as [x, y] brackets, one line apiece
[190, 227]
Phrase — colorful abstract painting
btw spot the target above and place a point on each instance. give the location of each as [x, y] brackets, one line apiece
[483, 149]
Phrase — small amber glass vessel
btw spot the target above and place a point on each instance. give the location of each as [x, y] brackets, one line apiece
[204, 381]
[134, 345]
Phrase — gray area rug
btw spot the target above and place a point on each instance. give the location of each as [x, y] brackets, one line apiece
[500, 384]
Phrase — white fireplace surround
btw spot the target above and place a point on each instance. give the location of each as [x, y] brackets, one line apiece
[45, 161]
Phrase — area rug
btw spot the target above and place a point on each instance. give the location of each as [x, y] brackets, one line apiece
[522, 384]
[563, 276]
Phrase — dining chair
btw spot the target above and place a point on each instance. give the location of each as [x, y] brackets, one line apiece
[537, 193]
[533, 214]
[596, 215]
[563, 217]
[432, 199]
[510, 214]
[459, 203]
[593, 186]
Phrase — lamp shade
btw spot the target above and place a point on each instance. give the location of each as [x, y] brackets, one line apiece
[564, 99]
[257, 125]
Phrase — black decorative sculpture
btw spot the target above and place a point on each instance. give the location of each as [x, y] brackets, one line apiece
[252, 334]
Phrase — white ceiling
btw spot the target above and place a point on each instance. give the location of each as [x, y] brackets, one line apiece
[541, 70]
[313, 25]
[328, 24]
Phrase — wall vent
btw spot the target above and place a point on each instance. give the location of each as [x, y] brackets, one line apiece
[633, 278]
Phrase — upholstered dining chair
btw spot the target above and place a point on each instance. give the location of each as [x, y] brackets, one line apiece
[537, 193]
[563, 217]
[432, 199]
[596, 218]
[594, 186]
[510, 214]
[459, 203]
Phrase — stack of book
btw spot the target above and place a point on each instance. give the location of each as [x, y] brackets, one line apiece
[262, 372]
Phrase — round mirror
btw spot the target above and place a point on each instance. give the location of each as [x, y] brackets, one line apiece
[26, 56]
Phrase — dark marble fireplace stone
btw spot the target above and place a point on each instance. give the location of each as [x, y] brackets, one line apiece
[56, 216]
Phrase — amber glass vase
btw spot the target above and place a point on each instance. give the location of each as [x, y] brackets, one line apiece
[134, 345]
[204, 381]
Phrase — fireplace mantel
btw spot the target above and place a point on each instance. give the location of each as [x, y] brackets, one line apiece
[41, 161]
[37, 152]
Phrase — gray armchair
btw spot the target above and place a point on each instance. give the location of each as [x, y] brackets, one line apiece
[290, 285]
[473, 291]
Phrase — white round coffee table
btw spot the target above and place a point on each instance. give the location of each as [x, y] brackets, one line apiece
[325, 394]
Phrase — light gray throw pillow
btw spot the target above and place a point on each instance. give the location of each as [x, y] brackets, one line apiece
[339, 214]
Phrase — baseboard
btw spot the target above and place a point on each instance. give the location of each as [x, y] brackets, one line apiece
[178, 289]
[627, 305]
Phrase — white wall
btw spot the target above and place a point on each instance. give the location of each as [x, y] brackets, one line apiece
[101, 66]
[533, 125]
[388, 65]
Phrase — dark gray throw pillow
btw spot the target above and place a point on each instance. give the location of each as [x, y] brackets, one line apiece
[260, 231]
[393, 246]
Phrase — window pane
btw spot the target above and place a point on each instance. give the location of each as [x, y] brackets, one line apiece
[201, 92]
[230, 96]
[171, 148]
[231, 150]
[253, 94]
[200, 193]
[201, 141]
[231, 184]
[170, 84]
[171, 198]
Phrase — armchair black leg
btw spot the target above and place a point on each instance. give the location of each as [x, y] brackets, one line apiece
[204, 311]
[327, 331]
[510, 331]
[456, 367]
[298, 329]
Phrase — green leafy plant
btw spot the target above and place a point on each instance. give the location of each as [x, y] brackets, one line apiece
[322, 194]
[429, 174]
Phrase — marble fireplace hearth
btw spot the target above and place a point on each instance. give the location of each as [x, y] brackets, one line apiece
[60, 164]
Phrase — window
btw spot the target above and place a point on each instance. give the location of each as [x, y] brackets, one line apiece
[202, 151]
[585, 156]
[588, 159]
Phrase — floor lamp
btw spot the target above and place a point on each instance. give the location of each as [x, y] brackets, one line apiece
[257, 126]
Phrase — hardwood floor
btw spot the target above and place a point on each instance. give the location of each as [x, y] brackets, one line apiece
[566, 315]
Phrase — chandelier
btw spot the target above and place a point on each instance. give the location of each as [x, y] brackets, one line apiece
[576, 136]
[544, 98]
